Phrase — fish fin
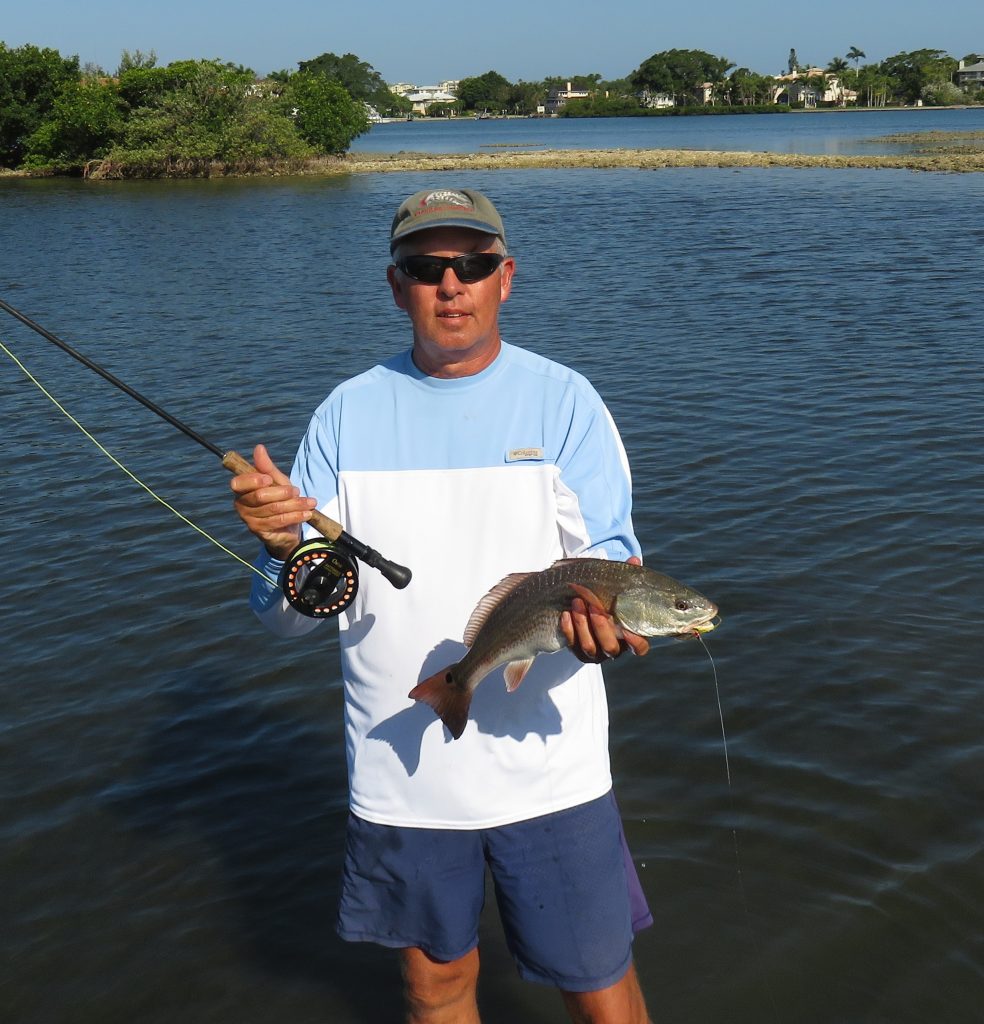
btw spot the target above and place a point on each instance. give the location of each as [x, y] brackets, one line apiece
[449, 701]
[590, 598]
[516, 672]
[491, 600]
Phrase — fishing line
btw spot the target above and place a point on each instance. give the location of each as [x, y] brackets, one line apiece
[734, 826]
[339, 541]
[109, 455]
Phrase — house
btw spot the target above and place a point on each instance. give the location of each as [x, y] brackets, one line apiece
[422, 96]
[969, 75]
[557, 98]
[811, 87]
[655, 100]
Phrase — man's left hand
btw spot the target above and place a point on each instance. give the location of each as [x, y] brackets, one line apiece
[593, 636]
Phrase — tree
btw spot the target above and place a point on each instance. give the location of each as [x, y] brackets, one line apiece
[443, 109]
[917, 69]
[680, 73]
[525, 97]
[483, 92]
[359, 78]
[30, 81]
[793, 62]
[746, 88]
[85, 121]
[836, 69]
[142, 86]
[943, 94]
[599, 105]
[582, 83]
[855, 54]
[327, 117]
[137, 59]
[876, 86]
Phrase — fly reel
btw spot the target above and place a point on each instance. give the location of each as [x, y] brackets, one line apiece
[320, 578]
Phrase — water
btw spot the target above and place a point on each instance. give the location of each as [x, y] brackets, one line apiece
[793, 359]
[828, 132]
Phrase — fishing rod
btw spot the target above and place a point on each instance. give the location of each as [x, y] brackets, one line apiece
[331, 580]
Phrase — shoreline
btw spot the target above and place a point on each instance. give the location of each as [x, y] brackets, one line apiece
[552, 159]
[650, 159]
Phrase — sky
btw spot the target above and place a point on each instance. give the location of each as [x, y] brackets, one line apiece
[424, 44]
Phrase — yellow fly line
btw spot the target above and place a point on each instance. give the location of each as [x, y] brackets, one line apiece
[109, 455]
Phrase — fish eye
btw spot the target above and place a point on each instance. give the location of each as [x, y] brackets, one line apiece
[682, 606]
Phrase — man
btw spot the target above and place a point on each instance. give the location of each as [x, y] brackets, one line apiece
[466, 459]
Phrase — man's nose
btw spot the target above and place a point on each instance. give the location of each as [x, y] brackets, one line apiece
[449, 284]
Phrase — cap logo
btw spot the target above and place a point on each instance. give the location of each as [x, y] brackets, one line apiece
[445, 197]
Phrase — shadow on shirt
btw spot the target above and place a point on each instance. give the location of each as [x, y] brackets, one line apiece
[494, 710]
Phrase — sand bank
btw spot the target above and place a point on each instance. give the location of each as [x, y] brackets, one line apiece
[648, 159]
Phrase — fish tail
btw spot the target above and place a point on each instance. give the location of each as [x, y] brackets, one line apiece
[449, 700]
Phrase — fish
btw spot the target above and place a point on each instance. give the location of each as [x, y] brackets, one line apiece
[519, 618]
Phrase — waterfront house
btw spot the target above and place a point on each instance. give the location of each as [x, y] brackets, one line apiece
[811, 88]
[557, 98]
[655, 100]
[969, 75]
[422, 96]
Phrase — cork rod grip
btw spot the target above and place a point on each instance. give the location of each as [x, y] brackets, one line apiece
[328, 528]
[398, 575]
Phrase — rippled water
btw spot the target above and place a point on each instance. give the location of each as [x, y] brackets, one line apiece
[829, 132]
[793, 357]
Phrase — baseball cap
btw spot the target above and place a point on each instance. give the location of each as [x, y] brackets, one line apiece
[445, 208]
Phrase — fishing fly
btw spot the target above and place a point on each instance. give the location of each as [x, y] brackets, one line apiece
[320, 578]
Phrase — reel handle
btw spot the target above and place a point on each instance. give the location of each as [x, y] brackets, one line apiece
[398, 575]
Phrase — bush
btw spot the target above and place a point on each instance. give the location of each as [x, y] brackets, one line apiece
[942, 94]
[85, 121]
[211, 118]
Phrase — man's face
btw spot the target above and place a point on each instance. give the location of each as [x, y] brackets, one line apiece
[455, 325]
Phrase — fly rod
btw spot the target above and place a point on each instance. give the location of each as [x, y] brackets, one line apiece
[398, 575]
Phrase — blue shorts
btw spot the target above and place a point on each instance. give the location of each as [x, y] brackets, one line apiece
[567, 890]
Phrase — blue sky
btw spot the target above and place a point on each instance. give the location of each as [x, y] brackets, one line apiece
[421, 43]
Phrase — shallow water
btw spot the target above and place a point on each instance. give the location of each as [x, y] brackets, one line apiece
[793, 359]
[827, 132]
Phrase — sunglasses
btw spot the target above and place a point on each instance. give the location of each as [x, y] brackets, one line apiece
[469, 268]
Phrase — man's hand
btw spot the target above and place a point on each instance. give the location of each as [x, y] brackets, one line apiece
[270, 505]
[593, 636]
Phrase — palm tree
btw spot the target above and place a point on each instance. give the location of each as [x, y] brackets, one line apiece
[855, 54]
[837, 67]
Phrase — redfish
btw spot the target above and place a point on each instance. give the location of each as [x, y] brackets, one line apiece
[519, 618]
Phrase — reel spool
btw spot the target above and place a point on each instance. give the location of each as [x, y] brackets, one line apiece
[320, 578]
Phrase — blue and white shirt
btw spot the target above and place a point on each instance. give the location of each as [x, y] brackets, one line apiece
[464, 481]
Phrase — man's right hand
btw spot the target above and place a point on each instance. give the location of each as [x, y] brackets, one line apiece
[270, 505]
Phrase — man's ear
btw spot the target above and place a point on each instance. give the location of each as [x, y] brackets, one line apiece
[506, 277]
[396, 286]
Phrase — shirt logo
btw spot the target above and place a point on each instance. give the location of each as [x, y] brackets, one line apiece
[524, 454]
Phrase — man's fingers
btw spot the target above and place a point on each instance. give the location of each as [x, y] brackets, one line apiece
[583, 634]
[264, 464]
[636, 644]
[567, 628]
[606, 634]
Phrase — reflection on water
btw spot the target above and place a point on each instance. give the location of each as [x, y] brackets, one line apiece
[791, 358]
